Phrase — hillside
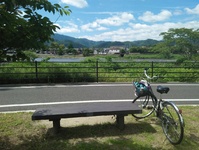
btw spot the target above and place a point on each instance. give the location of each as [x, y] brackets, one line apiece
[82, 42]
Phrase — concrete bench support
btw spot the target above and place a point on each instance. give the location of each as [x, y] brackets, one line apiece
[120, 122]
[56, 125]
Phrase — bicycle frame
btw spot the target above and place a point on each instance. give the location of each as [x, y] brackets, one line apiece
[159, 106]
[159, 103]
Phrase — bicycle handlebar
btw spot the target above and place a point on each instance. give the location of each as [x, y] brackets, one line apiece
[148, 77]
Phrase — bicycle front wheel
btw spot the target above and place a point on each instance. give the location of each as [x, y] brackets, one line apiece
[147, 104]
[172, 123]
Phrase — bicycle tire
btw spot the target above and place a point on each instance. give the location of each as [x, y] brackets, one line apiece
[147, 104]
[172, 123]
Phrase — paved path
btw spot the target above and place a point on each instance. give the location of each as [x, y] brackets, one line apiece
[16, 98]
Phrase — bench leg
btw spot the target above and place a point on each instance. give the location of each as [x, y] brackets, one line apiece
[120, 121]
[56, 125]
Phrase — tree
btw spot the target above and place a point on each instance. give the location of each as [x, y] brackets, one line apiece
[57, 48]
[138, 49]
[184, 41]
[71, 50]
[164, 50]
[87, 52]
[30, 55]
[61, 49]
[122, 52]
[22, 27]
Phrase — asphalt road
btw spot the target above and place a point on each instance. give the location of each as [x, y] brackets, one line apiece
[18, 98]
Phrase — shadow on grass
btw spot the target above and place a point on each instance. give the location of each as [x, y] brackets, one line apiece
[101, 130]
[79, 136]
[93, 137]
[36, 143]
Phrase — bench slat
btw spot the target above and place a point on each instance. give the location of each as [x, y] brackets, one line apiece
[86, 109]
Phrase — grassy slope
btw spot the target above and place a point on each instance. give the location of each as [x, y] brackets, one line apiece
[17, 131]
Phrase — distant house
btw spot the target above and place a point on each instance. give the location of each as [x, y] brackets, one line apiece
[104, 51]
[95, 52]
[111, 50]
[115, 50]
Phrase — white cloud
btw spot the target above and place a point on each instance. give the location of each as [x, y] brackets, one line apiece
[116, 20]
[70, 28]
[102, 13]
[101, 28]
[193, 11]
[139, 31]
[150, 17]
[177, 12]
[76, 3]
[87, 27]
[92, 26]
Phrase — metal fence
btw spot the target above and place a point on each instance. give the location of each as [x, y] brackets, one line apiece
[48, 72]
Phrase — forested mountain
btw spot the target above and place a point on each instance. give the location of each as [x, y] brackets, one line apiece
[82, 42]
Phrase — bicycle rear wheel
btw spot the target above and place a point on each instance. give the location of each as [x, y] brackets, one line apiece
[172, 123]
[148, 105]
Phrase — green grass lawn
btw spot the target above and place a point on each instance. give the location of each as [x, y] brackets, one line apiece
[19, 132]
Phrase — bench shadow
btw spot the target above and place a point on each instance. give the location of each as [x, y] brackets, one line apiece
[101, 130]
[41, 143]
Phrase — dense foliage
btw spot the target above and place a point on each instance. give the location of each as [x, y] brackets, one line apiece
[22, 27]
[182, 41]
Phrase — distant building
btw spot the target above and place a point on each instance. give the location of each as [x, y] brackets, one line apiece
[110, 50]
[115, 49]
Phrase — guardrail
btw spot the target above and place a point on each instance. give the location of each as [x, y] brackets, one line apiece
[48, 72]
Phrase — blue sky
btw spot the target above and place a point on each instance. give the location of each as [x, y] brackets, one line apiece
[125, 20]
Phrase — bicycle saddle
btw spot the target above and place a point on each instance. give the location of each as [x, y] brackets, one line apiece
[162, 89]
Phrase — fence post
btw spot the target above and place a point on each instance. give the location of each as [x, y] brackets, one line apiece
[36, 70]
[97, 71]
[152, 68]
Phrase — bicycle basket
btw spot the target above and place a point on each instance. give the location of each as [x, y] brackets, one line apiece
[140, 89]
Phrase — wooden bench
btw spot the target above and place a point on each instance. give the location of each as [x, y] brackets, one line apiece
[55, 114]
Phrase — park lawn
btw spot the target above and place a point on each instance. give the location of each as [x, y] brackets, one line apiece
[19, 132]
